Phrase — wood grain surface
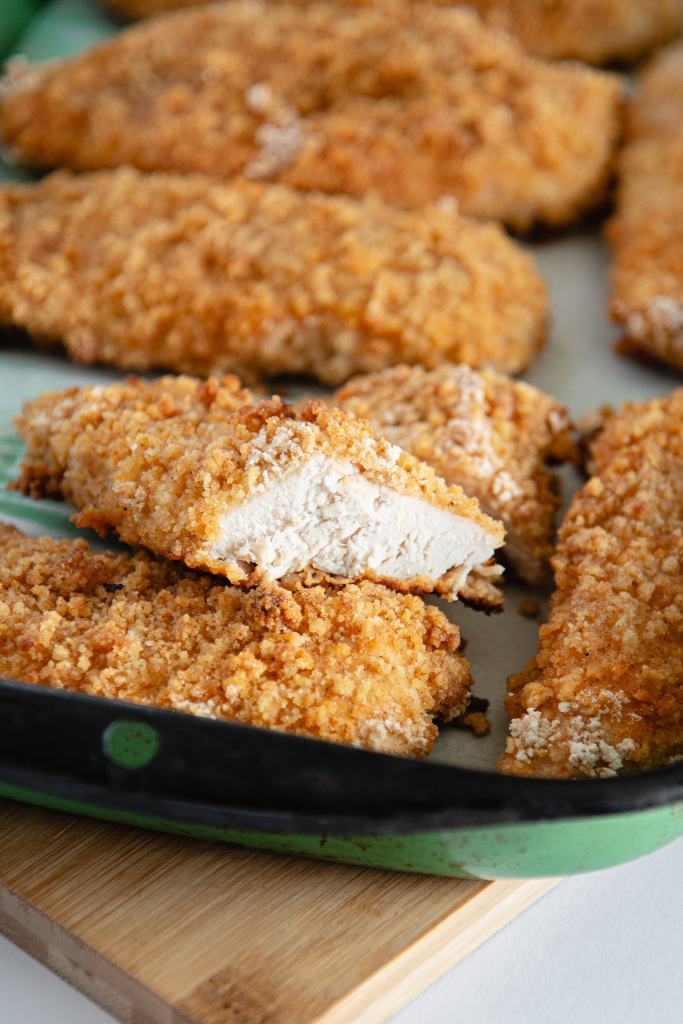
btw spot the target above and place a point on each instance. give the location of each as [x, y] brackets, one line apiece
[160, 930]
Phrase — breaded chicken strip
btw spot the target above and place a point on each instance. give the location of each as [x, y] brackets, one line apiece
[489, 434]
[410, 104]
[263, 493]
[360, 664]
[645, 234]
[197, 276]
[605, 691]
[597, 31]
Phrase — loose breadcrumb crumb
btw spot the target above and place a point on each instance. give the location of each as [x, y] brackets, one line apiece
[477, 722]
[188, 274]
[604, 694]
[529, 608]
[161, 468]
[490, 435]
[645, 234]
[360, 665]
[411, 103]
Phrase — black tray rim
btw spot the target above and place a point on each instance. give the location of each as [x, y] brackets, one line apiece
[479, 798]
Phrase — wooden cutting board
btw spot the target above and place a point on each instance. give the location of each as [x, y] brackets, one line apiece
[160, 930]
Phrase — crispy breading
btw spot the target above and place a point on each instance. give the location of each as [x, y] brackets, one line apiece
[605, 692]
[410, 104]
[596, 31]
[162, 473]
[360, 665]
[197, 276]
[489, 434]
[645, 234]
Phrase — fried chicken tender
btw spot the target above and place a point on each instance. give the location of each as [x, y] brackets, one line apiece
[489, 434]
[259, 494]
[596, 31]
[410, 104]
[193, 275]
[645, 234]
[605, 692]
[360, 664]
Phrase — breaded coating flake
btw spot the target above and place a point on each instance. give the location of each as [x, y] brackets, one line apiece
[411, 104]
[490, 435]
[605, 692]
[196, 276]
[645, 234]
[259, 494]
[359, 665]
[596, 31]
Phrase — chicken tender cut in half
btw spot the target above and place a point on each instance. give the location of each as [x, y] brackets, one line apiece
[645, 234]
[490, 435]
[604, 694]
[596, 31]
[408, 103]
[196, 276]
[359, 664]
[260, 494]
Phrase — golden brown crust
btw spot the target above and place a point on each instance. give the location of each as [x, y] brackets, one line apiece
[596, 31]
[645, 234]
[359, 665]
[605, 691]
[161, 470]
[488, 434]
[196, 276]
[357, 100]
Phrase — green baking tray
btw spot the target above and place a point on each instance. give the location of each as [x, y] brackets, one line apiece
[171, 772]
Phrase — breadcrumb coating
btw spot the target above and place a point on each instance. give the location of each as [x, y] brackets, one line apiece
[196, 276]
[162, 471]
[359, 665]
[490, 435]
[645, 234]
[408, 103]
[605, 692]
[596, 31]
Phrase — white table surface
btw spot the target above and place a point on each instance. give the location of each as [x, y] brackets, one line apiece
[605, 948]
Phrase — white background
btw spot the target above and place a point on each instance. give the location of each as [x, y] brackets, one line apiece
[605, 948]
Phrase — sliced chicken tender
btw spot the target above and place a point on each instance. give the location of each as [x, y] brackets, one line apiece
[359, 664]
[645, 233]
[188, 274]
[490, 435]
[604, 694]
[259, 494]
[409, 103]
